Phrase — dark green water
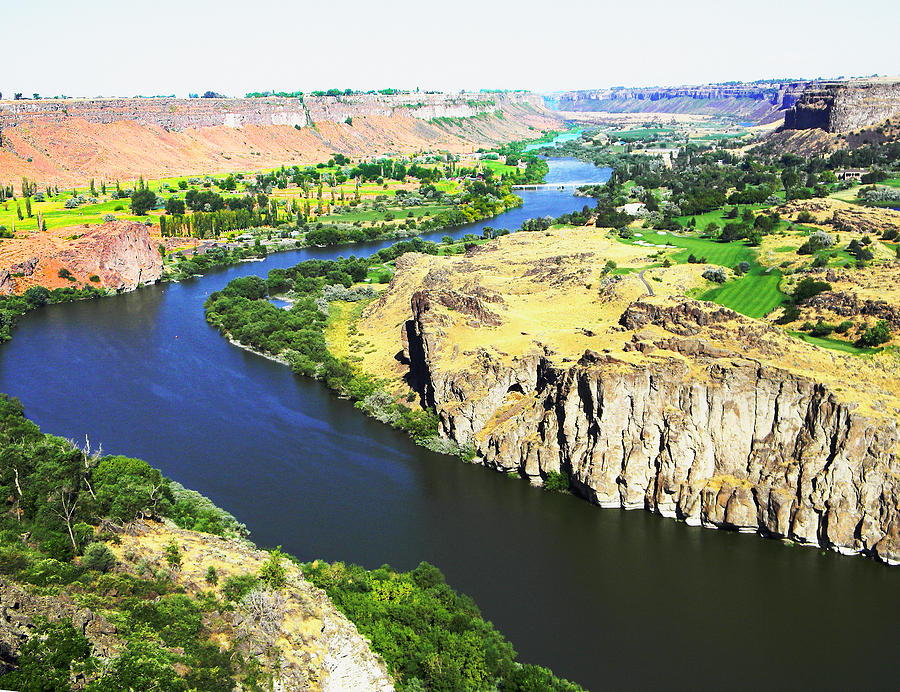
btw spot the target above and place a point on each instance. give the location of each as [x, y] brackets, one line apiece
[611, 599]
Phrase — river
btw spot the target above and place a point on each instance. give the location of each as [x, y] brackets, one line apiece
[608, 598]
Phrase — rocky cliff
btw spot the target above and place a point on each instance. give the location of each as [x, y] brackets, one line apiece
[119, 254]
[543, 365]
[845, 106]
[762, 102]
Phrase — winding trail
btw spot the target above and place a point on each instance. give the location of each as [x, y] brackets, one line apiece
[646, 283]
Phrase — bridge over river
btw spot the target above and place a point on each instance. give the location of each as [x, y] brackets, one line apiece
[550, 186]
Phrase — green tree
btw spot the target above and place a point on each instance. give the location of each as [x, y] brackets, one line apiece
[174, 206]
[48, 659]
[876, 335]
[272, 573]
[129, 488]
[173, 555]
[142, 201]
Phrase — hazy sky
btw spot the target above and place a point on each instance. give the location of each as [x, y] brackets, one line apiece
[110, 47]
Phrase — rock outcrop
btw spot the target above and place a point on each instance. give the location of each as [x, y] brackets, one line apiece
[845, 106]
[119, 255]
[312, 647]
[677, 406]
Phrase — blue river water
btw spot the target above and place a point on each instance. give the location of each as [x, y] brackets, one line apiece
[610, 599]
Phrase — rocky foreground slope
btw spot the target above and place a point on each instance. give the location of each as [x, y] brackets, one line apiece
[544, 363]
[298, 636]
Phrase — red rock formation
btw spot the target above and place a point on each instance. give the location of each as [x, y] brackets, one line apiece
[119, 253]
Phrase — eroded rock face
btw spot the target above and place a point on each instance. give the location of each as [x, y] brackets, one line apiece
[119, 253]
[715, 439]
[845, 106]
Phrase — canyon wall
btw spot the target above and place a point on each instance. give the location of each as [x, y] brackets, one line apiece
[733, 443]
[119, 255]
[70, 141]
[762, 102]
[541, 363]
[845, 106]
[175, 115]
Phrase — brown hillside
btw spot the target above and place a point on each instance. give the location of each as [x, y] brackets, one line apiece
[72, 150]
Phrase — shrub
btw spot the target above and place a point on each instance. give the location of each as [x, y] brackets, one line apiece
[238, 586]
[98, 557]
[817, 241]
[109, 217]
[808, 288]
[791, 314]
[877, 335]
[844, 327]
[272, 573]
[821, 329]
[556, 482]
[212, 577]
[173, 555]
[94, 278]
[716, 274]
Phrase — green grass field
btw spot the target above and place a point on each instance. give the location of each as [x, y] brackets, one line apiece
[755, 294]
[835, 344]
[717, 217]
[56, 215]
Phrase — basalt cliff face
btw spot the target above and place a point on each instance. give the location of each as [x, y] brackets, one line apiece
[845, 106]
[764, 102]
[680, 407]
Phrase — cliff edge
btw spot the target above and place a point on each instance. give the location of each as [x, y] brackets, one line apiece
[543, 361]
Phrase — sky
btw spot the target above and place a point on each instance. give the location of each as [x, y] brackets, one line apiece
[114, 48]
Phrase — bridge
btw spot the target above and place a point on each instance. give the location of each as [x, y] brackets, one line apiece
[549, 186]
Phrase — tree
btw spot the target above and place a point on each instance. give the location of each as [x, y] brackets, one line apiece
[174, 206]
[36, 296]
[272, 572]
[142, 201]
[53, 652]
[127, 488]
[789, 178]
[808, 288]
[58, 476]
[173, 555]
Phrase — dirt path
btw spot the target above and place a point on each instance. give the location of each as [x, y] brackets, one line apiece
[646, 283]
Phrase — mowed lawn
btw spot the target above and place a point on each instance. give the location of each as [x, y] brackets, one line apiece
[755, 294]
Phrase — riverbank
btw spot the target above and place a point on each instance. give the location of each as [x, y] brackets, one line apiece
[308, 471]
